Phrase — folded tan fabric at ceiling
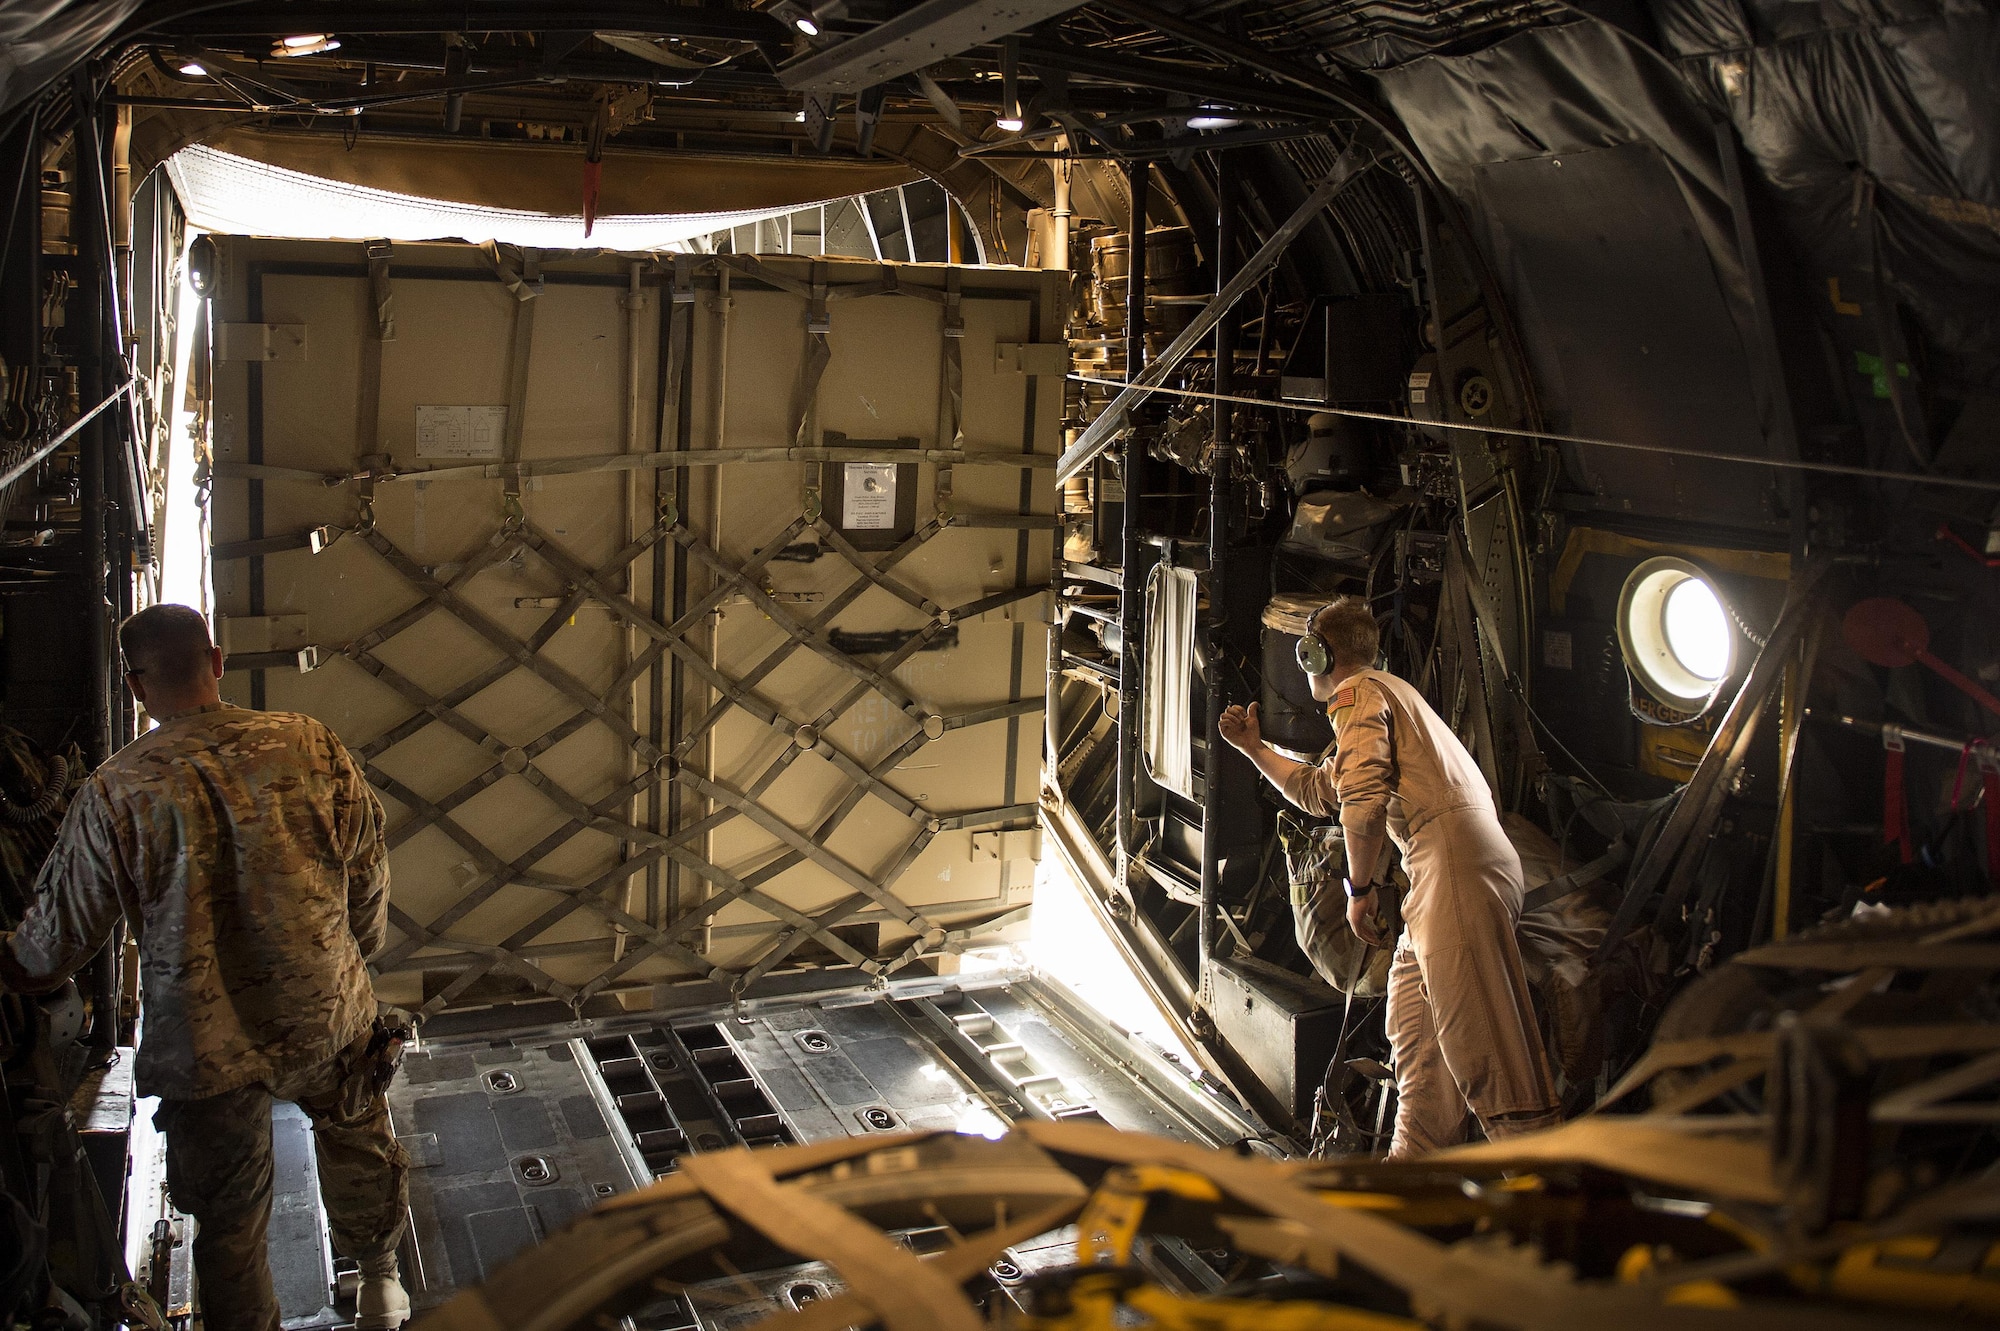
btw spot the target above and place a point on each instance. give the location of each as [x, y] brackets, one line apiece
[548, 178]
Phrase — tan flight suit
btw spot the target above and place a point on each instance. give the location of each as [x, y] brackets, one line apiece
[245, 851]
[1461, 1022]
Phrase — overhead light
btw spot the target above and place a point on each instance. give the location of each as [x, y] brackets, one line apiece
[1212, 117]
[203, 268]
[194, 69]
[1676, 631]
[799, 116]
[1010, 119]
[796, 14]
[311, 43]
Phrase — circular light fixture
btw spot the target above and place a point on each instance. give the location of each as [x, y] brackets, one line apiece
[1676, 632]
[794, 14]
[203, 266]
[1697, 629]
[1012, 124]
[310, 43]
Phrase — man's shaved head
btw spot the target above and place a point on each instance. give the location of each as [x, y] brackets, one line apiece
[166, 645]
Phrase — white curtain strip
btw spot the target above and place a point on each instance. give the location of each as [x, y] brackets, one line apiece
[235, 196]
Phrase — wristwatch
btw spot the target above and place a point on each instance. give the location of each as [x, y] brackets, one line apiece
[1353, 892]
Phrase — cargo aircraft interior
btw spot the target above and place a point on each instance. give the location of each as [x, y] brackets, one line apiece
[670, 665]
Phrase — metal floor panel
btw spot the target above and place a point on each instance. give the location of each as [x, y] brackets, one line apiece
[513, 1134]
[1118, 1098]
[508, 1145]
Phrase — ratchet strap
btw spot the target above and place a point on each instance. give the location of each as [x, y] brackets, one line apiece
[907, 1294]
[368, 411]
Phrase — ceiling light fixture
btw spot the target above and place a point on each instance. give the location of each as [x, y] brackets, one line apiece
[1213, 117]
[796, 14]
[1010, 119]
[195, 70]
[311, 43]
[1676, 631]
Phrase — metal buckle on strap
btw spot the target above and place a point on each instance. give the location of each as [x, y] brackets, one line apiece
[817, 318]
[954, 314]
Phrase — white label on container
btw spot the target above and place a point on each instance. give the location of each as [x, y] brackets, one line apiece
[461, 432]
[868, 497]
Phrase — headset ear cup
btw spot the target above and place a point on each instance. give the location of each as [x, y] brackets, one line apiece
[1311, 655]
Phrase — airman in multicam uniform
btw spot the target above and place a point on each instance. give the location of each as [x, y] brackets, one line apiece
[1461, 1019]
[245, 850]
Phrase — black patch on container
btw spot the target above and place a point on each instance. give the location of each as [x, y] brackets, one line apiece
[429, 1069]
[584, 1118]
[839, 1080]
[454, 1207]
[892, 1064]
[468, 1137]
[559, 1207]
[497, 1236]
[524, 1124]
[790, 1089]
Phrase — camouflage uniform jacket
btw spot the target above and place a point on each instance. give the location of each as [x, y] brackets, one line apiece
[245, 850]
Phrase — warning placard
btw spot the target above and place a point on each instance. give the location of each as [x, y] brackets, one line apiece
[461, 432]
[868, 496]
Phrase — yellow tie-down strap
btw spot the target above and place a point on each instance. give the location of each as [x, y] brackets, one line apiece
[907, 1294]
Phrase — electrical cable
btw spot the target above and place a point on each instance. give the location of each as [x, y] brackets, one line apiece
[1583, 768]
[1590, 441]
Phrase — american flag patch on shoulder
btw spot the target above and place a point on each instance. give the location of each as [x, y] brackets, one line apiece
[1342, 704]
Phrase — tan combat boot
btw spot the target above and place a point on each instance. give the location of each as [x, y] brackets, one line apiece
[381, 1304]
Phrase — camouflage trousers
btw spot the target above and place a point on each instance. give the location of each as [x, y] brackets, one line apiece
[219, 1170]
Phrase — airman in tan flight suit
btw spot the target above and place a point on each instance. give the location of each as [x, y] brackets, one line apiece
[1460, 1019]
[245, 850]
